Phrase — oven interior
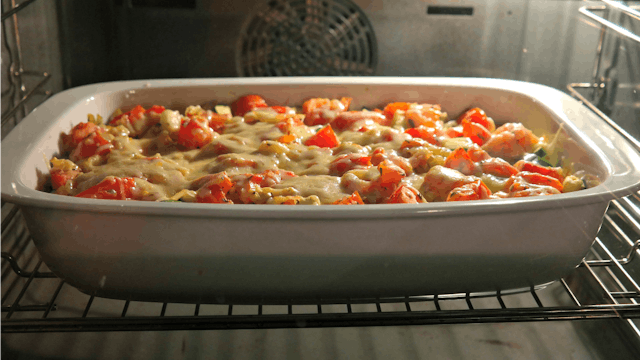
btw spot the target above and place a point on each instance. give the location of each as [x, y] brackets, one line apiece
[590, 50]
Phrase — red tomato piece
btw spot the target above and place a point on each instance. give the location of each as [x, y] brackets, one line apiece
[353, 199]
[498, 167]
[429, 134]
[155, 110]
[111, 188]
[59, 177]
[476, 132]
[405, 194]
[79, 133]
[247, 103]
[93, 144]
[217, 122]
[385, 184]
[476, 190]
[136, 113]
[130, 116]
[390, 173]
[313, 104]
[194, 134]
[324, 138]
[215, 189]
[391, 108]
[477, 116]
[344, 163]
[460, 160]
[554, 172]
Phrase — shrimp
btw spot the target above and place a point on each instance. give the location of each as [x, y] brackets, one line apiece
[510, 141]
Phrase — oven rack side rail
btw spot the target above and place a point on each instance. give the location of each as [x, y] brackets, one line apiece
[18, 91]
[600, 81]
[603, 286]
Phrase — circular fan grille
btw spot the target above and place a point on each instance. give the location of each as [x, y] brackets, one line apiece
[306, 37]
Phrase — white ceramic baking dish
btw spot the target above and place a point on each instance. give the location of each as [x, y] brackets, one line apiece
[213, 253]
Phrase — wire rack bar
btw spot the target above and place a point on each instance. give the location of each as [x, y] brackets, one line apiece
[572, 88]
[90, 302]
[626, 274]
[16, 303]
[567, 289]
[10, 216]
[17, 8]
[16, 268]
[41, 307]
[51, 305]
[321, 320]
[587, 11]
[7, 115]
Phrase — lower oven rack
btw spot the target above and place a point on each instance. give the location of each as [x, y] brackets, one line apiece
[603, 286]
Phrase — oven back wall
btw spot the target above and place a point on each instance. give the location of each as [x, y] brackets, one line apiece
[529, 40]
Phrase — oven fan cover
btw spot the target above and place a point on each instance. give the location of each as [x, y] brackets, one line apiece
[306, 38]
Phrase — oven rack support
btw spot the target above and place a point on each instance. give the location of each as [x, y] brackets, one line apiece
[17, 73]
[600, 83]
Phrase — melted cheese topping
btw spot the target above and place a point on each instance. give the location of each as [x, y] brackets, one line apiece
[266, 160]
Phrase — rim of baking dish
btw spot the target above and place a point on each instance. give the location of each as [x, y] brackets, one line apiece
[621, 160]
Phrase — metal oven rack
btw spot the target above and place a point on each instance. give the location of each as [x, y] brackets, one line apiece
[604, 286]
[24, 85]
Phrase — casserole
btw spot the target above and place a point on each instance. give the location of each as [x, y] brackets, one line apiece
[212, 253]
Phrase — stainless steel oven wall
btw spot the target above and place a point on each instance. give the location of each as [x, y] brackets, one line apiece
[30, 49]
[516, 39]
[519, 39]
